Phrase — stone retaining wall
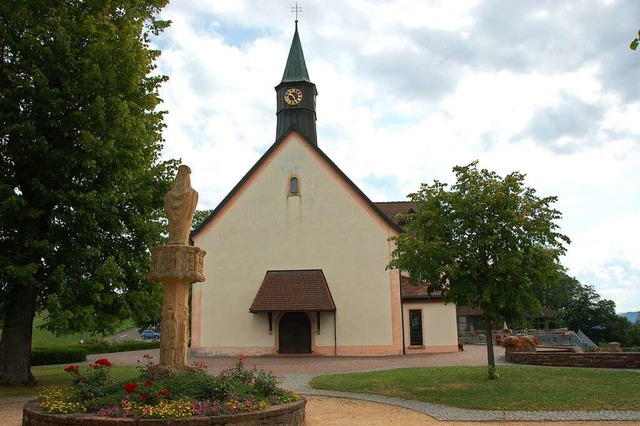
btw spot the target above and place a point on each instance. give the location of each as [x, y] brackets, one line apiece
[565, 359]
[278, 415]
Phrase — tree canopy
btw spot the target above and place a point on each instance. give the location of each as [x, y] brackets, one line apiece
[578, 306]
[81, 184]
[199, 216]
[482, 243]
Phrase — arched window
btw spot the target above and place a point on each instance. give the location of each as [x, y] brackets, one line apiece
[294, 188]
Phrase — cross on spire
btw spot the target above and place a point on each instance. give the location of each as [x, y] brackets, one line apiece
[296, 9]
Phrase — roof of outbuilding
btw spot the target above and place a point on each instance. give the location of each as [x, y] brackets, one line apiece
[417, 291]
[293, 291]
[392, 209]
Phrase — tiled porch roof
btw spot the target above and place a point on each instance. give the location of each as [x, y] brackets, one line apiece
[293, 291]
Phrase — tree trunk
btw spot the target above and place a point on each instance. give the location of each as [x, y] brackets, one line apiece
[491, 360]
[15, 344]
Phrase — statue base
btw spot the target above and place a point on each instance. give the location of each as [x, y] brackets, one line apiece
[176, 266]
[177, 262]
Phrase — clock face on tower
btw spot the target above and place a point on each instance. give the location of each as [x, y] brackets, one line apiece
[293, 96]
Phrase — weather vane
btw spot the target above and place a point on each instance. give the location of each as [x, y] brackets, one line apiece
[296, 9]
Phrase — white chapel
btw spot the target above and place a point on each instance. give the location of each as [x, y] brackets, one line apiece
[297, 254]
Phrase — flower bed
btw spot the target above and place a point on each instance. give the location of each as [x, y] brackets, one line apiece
[162, 393]
[512, 343]
[284, 414]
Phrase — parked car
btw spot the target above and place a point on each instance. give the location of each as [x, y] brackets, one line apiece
[150, 334]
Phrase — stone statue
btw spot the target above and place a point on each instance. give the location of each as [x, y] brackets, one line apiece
[179, 205]
[176, 265]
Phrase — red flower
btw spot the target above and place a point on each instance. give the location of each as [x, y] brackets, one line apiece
[102, 361]
[130, 387]
[241, 358]
[144, 396]
[155, 395]
[71, 368]
[165, 392]
[148, 383]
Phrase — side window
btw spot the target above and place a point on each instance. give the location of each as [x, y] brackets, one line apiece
[294, 186]
[415, 327]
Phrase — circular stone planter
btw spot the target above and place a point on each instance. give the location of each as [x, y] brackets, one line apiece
[284, 414]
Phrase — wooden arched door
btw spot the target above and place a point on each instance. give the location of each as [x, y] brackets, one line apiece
[294, 332]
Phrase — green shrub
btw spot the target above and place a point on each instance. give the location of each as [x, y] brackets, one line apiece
[265, 383]
[79, 352]
[198, 386]
[100, 346]
[64, 355]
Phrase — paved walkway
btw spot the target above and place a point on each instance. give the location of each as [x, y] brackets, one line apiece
[297, 371]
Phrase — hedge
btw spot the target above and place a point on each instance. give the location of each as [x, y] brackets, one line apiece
[64, 355]
[78, 353]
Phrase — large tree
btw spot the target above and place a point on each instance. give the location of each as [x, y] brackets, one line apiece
[585, 310]
[81, 184]
[482, 243]
[579, 307]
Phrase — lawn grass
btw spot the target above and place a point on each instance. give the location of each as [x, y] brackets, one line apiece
[54, 375]
[45, 339]
[519, 387]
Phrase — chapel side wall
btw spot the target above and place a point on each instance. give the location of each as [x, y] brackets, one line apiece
[326, 227]
[439, 327]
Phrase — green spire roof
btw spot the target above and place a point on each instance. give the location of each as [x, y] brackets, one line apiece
[296, 69]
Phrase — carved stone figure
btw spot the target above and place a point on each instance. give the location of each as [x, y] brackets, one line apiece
[176, 265]
[168, 342]
[179, 205]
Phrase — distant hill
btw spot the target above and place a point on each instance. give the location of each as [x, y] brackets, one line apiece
[631, 316]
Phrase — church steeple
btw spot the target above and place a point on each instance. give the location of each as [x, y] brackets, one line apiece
[296, 96]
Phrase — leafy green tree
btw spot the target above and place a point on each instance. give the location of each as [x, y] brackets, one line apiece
[585, 310]
[555, 296]
[199, 216]
[81, 184]
[580, 307]
[482, 243]
[634, 335]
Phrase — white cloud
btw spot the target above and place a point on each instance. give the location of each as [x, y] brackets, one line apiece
[408, 89]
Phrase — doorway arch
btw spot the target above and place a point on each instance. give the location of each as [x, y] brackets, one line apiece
[294, 333]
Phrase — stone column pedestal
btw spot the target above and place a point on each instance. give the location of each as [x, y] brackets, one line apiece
[176, 266]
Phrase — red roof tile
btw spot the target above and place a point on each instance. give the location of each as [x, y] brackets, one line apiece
[392, 209]
[418, 291]
[293, 291]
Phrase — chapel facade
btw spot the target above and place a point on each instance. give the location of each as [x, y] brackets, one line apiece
[297, 256]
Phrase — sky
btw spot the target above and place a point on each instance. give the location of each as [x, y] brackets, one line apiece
[409, 89]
